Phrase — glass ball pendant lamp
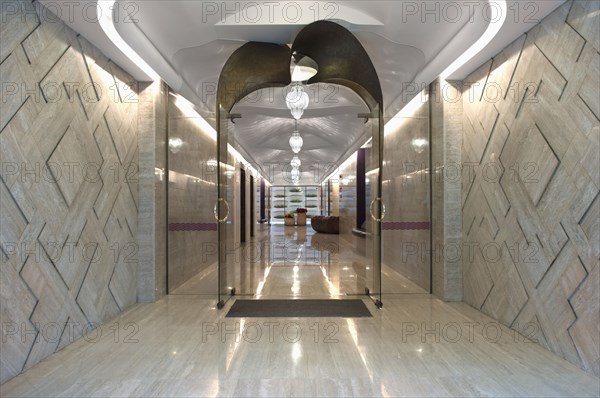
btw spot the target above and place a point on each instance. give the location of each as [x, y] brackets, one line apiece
[295, 163]
[296, 141]
[295, 174]
[297, 101]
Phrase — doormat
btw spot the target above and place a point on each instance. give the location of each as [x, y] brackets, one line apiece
[298, 309]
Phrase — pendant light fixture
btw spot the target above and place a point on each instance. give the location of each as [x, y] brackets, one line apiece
[297, 101]
[296, 141]
[295, 163]
[295, 174]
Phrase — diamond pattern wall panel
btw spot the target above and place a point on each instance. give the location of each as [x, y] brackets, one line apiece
[531, 131]
[68, 187]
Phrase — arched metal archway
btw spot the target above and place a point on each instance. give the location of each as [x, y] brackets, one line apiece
[341, 60]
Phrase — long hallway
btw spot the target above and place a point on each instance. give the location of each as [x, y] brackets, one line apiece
[315, 199]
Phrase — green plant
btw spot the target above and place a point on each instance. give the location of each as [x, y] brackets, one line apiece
[311, 195]
[279, 206]
[296, 201]
[279, 196]
[311, 206]
[295, 190]
[289, 215]
[280, 216]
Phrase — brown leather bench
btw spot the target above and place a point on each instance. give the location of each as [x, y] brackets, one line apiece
[326, 224]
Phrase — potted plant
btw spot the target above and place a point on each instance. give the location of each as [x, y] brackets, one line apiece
[301, 215]
[289, 218]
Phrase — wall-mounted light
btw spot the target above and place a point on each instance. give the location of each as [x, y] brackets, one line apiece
[419, 144]
[175, 144]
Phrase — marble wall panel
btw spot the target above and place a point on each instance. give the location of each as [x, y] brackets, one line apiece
[68, 183]
[530, 209]
[406, 180]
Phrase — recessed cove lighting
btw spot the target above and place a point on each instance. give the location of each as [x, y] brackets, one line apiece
[498, 10]
[104, 11]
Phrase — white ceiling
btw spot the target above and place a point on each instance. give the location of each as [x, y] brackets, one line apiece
[187, 43]
[331, 130]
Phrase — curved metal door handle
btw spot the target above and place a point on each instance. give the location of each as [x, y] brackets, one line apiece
[217, 208]
[382, 211]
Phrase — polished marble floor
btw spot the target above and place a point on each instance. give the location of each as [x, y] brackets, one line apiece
[415, 346]
[284, 261]
[183, 346]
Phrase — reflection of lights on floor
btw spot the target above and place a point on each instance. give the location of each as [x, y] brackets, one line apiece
[345, 268]
[296, 352]
[296, 283]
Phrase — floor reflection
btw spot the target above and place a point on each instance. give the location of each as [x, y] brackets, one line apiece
[296, 262]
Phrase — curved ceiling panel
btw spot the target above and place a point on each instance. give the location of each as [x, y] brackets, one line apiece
[341, 60]
[252, 67]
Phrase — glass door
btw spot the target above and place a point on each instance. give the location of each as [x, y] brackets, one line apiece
[375, 208]
[223, 211]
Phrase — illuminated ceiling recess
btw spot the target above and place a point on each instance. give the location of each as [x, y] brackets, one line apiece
[497, 17]
[104, 11]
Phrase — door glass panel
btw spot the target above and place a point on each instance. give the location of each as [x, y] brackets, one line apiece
[191, 193]
[224, 210]
[375, 210]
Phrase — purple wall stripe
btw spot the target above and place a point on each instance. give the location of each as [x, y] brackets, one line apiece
[405, 225]
[192, 226]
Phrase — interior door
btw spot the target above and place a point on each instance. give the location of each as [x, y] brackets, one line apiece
[375, 207]
[224, 211]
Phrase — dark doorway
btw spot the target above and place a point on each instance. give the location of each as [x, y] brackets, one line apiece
[242, 205]
[252, 209]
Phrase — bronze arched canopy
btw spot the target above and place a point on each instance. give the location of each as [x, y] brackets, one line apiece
[340, 56]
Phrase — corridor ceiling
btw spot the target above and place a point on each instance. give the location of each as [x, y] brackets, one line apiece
[409, 42]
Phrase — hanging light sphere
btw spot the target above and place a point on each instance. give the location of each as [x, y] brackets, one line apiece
[295, 174]
[296, 141]
[295, 163]
[297, 101]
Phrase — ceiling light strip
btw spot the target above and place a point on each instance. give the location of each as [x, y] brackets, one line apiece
[104, 10]
[492, 30]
